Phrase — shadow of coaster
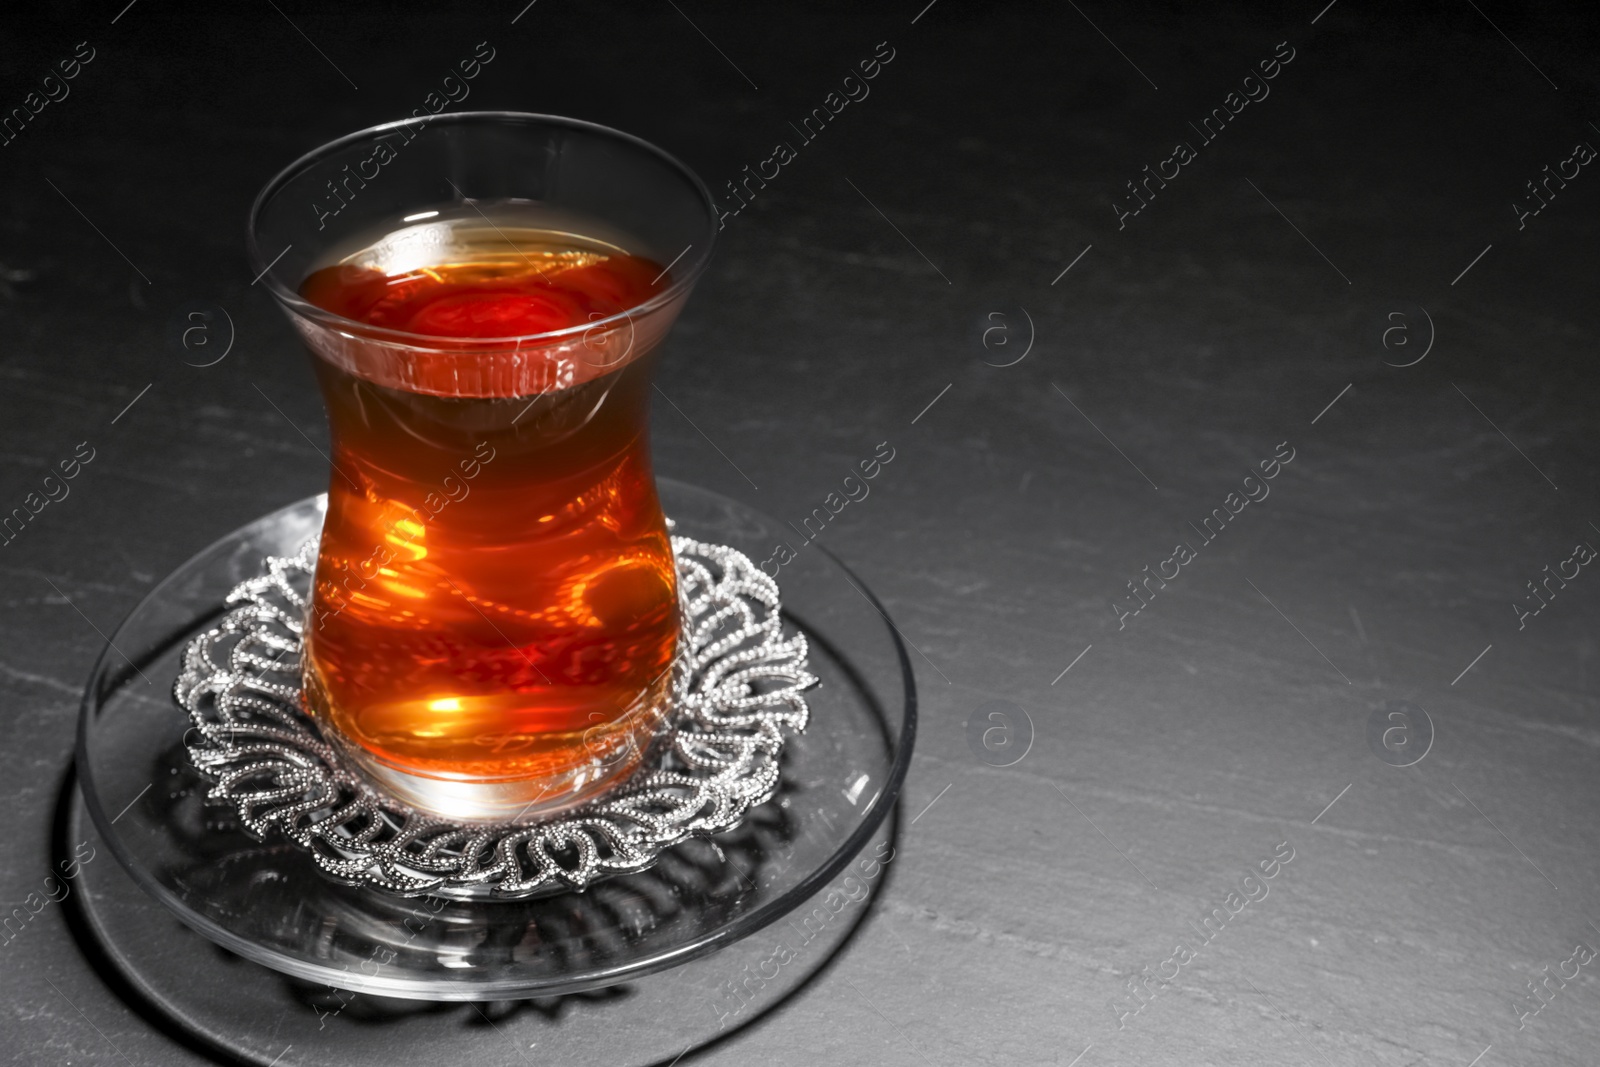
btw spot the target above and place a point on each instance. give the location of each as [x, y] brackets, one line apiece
[248, 1013]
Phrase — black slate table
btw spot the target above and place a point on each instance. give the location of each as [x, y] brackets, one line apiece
[1091, 272]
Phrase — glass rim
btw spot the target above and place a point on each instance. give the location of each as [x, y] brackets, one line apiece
[297, 305]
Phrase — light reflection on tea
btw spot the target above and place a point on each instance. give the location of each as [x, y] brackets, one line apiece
[495, 596]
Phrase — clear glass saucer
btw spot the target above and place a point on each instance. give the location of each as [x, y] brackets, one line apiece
[265, 900]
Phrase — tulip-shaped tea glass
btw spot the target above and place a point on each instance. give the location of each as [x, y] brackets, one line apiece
[494, 616]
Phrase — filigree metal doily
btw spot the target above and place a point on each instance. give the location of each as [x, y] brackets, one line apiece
[736, 692]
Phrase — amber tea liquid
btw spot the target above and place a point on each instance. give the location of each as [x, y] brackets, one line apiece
[495, 598]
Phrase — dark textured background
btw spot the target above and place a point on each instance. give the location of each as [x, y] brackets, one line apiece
[1177, 752]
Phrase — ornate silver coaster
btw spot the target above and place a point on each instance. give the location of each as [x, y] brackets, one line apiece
[736, 694]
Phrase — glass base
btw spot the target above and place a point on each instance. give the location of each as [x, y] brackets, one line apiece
[510, 800]
[267, 901]
[463, 800]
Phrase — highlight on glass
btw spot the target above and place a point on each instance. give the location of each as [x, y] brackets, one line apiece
[494, 616]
